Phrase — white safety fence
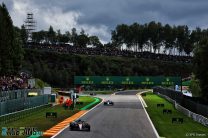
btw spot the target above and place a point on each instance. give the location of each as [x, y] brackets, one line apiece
[196, 117]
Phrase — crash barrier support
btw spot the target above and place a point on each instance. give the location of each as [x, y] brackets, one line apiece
[196, 117]
[51, 114]
[177, 120]
[22, 103]
[167, 111]
[4, 119]
[160, 105]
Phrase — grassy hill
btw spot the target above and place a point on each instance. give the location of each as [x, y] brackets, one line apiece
[58, 69]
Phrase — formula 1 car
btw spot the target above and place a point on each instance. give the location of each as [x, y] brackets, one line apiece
[79, 125]
[108, 102]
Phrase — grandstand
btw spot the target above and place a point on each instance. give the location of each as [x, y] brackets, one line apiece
[14, 82]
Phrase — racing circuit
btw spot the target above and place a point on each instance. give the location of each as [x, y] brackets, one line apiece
[126, 119]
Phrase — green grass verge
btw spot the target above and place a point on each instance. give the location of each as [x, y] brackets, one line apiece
[97, 100]
[163, 122]
[42, 123]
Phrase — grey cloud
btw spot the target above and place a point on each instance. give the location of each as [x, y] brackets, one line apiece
[109, 13]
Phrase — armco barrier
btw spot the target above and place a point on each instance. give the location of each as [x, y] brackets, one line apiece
[196, 117]
[22, 103]
[4, 119]
[184, 101]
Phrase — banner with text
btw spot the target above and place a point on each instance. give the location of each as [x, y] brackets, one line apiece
[128, 80]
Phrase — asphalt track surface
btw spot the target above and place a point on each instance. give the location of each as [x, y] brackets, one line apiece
[126, 119]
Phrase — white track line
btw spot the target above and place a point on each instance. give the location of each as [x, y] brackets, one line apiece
[155, 131]
[77, 118]
[142, 101]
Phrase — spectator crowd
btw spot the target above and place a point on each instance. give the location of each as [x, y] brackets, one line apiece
[111, 52]
[14, 82]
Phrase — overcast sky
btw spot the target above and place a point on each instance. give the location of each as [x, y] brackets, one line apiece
[99, 17]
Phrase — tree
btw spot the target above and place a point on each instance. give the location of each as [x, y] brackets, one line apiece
[154, 34]
[201, 66]
[24, 35]
[182, 37]
[82, 32]
[120, 35]
[51, 35]
[39, 37]
[82, 40]
[94, 40]
[62, 38]
[196, 35]
[108, 45]
[66, 37]
[18, 50]
[188, 47]
[6, 37]
[116, 42]
[10, 44]
[135, 34]
[195, 87]
[73, 37]
[168, 37]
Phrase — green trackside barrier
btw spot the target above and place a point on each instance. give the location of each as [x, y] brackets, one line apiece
[97, 100]
[20, 114]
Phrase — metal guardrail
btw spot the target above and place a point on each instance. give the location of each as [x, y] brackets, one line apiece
[4, 119]
[184, 101]
[22, 103]
[196, 117]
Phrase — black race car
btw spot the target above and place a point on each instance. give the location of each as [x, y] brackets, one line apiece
[79, 125]
[108, 102]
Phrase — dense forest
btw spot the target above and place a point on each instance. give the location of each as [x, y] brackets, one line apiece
[58, 69]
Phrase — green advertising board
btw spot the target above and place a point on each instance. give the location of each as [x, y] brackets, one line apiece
[127, 80]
